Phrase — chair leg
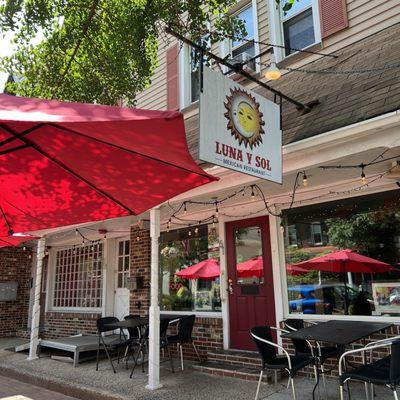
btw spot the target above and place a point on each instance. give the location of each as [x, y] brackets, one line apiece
[197, 353]
[395, 394]
[170, 359]
[293, 388]
[275, 377]
[181, 351]
[97, 357]
[108, 355]
[341, 392]
[135, 360]
[259, 384]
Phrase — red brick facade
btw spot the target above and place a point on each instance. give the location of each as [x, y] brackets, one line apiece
[58, 324]
[15, 266]
[140, 266]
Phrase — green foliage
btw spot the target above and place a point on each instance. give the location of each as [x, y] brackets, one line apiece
[371, 233]
[99, 51]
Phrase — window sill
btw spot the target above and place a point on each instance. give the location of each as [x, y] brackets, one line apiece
[299, 56]
[199, 314]
[191, 107]
[75, 313]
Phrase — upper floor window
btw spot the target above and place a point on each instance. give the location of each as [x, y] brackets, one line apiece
[246, 45]
[298, 25]
[294, 27]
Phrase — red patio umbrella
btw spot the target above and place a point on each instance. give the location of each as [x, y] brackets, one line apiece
[67, 163]
[254, 267]
[342, 261]
[208, 269]
[6, 241]
[296, 270]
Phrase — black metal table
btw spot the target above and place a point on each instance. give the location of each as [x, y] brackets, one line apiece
[341, 333]
[142, 321]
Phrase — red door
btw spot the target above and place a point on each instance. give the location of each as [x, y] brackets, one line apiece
[250, 283]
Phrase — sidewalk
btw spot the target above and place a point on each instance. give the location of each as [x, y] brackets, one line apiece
[10, 389]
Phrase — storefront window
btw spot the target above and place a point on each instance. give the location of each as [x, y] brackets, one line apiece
[181, 249]
[341, 234]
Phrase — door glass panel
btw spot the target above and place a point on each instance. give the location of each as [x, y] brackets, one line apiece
[249, 257]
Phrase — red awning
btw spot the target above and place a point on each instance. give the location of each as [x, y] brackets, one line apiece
[343, 261]
[207, 269]
[67, 163]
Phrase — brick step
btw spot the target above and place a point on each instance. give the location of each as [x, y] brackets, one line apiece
[242, 358]
[234, 371]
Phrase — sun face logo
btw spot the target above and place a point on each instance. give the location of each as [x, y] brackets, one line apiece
[244, 117]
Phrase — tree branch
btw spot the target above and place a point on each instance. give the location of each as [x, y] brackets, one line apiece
[78, 44]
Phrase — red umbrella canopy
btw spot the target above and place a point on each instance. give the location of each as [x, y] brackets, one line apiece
[207, 269]
[66, 163]
[253, 267]
[342, 261]
[296, 270]
[6, 241]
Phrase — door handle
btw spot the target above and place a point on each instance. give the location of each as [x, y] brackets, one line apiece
[230, 288]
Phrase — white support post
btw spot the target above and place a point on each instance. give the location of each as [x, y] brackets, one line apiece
[34, 342]
[154, 311]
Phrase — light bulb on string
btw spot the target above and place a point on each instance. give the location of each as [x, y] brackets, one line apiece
[190, 232]
[216, 209]
[282, 228]
[305, 180]
[184, 208]
[76, 232]
[363, 178]
[138, 238]
[196, 230]
[253, 196]
[24, 248]
[168, 225]
[83, 242]
[213, 222]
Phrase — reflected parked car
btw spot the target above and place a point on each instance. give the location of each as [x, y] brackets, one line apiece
[320, 299]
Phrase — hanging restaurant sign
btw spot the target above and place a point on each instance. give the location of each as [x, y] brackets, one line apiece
[239, 129]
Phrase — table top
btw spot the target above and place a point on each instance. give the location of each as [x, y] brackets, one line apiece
[141, 321]
[338, 332]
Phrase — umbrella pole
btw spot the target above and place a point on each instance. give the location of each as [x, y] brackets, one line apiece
[35, 321]
[346, 308]
[154, 310]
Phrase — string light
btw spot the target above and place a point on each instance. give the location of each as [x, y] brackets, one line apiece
[253, 196]
[76, 232]
[216, 209]
[305, 180]
[138, 238]
[282, 228]
[196, 230]
[184, 208]
[190, 232]
[363, 178]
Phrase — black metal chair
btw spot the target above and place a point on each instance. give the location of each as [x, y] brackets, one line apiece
[302, 347]
[384, 371]
[134, 333]
[111, 343]
[164, 323]
[262, 337]
[185, 330]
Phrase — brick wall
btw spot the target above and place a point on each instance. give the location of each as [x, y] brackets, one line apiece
[15, 266]
[58, 324]
[140, 266]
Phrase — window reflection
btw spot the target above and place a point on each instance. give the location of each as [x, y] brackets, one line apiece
[179, 250]
[367, 226]
[249, 260]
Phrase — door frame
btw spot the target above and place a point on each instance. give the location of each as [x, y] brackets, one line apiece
[277, 259]
[115, 271]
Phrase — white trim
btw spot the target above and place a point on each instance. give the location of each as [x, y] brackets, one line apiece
[184, 76]
[199, 314]
[223, 282]
[276, 27]
[51, 276]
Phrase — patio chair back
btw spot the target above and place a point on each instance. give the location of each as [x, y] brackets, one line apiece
[102, 324]
[300, 346]
[395, 362]
[164, 323]
[185, 329]
[133, 332]
[267, 351]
